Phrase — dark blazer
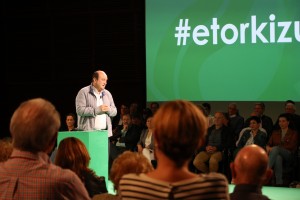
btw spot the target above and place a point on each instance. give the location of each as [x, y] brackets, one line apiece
[247, 192]
[266, 122]
[131, 138]
[290, 140]
[260, 139]
[94, 184]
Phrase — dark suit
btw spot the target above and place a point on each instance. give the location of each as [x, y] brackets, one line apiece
[247, 192]
[130, 139]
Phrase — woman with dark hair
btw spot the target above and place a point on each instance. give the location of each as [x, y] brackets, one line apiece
[281, 146]
[72, 154]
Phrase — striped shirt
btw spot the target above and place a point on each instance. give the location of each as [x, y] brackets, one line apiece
[210, 186]
[31, 176]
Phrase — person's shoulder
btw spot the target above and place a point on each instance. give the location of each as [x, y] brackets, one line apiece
[214, 176]
[292, 131]
[61, 175]
[91, 175]
[266, 117]
[131, 175]
[245, 196]
[106, 92]
[85, 89]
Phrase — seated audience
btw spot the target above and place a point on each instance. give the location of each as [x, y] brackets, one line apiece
[117, 120]
[266, 121]
[215, 143]
[29, 174]
[125, 163]
[125, 137]
[6, 148]
[146, 143]
[72, 154]
[252, 136]
[290, 110]
[179, 128]
[154, 106]
[249, 173]
[282, 147]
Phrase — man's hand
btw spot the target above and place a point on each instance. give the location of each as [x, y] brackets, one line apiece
[125, 127]
[104, 108]
[211, 149]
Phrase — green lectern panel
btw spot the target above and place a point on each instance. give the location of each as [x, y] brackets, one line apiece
[96, 143]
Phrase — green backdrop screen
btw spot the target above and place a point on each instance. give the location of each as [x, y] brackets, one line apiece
[223, 50]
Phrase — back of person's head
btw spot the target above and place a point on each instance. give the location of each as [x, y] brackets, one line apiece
[179, 128]
[72, 154]
[6, 148]
[34, 125]
[250, 166]
[128, 162]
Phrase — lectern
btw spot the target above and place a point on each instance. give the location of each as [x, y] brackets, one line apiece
[96, 143]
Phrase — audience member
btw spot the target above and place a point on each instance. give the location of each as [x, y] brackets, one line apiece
[179, 128]
[71, 122]
[146, 143]
[250, 172]
[154, 106]
[125, 163]
[266, 121]
[214, 144]
[95, 105]
[236, 122]
[281, 147]
[70, 126]
[135, 109]
[125, 138]
[136, 119]
[146, 113]
[290, 109]
[6, 148]
[253, 135]
[117, 120]
[72, 154]
[207, 108]
[29, 174]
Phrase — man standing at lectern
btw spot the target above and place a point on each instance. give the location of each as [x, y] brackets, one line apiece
[95, 105]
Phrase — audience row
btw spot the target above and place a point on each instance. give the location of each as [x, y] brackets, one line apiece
[177, 135]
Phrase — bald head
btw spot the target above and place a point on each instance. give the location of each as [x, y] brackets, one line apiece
[250, 165]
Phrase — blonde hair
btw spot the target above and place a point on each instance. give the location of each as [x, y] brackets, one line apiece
[179, 127]
[128, 162]
[34, 124]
